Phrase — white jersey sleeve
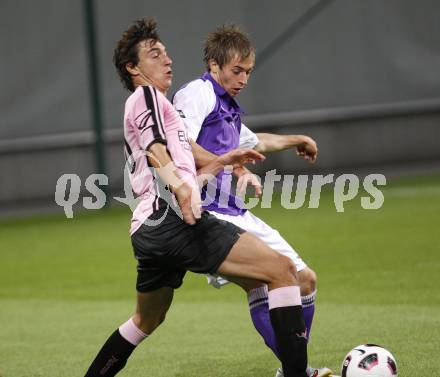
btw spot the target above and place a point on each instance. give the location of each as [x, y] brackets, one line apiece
[194, 103]
[247, 138]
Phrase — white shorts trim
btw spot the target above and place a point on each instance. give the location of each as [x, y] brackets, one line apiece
[252, 224]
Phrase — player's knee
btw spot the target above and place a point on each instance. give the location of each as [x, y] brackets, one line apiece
[285, 272]
[313, 280]
[308, 281]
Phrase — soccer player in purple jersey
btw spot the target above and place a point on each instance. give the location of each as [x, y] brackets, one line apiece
[212, 117]
[167, 245]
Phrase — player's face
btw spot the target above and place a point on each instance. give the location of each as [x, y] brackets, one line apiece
[154, 66]
[234, 75]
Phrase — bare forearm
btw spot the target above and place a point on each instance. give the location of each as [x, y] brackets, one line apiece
[202, 157]
[211, 168]
[187, 195]
[274, 143]
[210, 164]
[206, 161]
[161, 160]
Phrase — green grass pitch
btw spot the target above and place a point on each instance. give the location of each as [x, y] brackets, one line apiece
[66, 284]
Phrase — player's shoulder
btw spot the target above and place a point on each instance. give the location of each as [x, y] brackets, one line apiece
[197, 85]
[144, 96]
[198, 89]
[134, 98]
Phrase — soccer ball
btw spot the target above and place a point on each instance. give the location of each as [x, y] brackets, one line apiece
[369, 360]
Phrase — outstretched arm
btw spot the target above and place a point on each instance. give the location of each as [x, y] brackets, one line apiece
[236, 158]
[187, 197]
[209, 163]
[202, 156]
[305, 146]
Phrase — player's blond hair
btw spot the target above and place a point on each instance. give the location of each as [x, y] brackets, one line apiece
[224, 43]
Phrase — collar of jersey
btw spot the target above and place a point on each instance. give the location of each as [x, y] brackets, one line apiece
[221, 92]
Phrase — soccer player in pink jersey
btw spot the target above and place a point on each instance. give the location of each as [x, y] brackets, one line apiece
[167, 245]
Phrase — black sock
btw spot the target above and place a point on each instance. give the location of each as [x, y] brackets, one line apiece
[290, 331]
[112, 357]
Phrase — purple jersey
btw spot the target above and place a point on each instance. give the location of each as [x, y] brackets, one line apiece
[212, 119]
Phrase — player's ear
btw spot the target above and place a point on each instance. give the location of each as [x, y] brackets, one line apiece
[213, 66]
[132, 69]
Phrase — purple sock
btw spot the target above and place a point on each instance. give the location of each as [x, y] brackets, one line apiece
[259, 309]
[308, 305]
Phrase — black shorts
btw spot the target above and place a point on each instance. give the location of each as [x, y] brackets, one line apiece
[166, 251]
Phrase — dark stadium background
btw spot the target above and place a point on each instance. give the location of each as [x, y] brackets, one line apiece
[362, 77]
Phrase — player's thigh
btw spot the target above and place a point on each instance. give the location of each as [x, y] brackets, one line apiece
[245, 283]
[273, 239]
[270, 236]
[251, 258]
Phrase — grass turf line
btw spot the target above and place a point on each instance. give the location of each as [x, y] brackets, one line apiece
[66, 284]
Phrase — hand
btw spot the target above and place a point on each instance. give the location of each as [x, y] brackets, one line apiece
[246, 178]
[307, 148]
[240, 157]
[189, 202]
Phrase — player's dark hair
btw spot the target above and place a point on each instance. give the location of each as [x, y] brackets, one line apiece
[127, 48]
[224, 43]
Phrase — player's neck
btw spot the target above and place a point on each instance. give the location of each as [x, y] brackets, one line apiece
[147, 83]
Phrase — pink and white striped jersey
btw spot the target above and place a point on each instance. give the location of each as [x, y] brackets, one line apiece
[150, 118]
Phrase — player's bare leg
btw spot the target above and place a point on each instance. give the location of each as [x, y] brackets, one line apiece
[151, 308]
[252, 259]
[307, 281]
[306, 277]
[257, 293]
[150, 313]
